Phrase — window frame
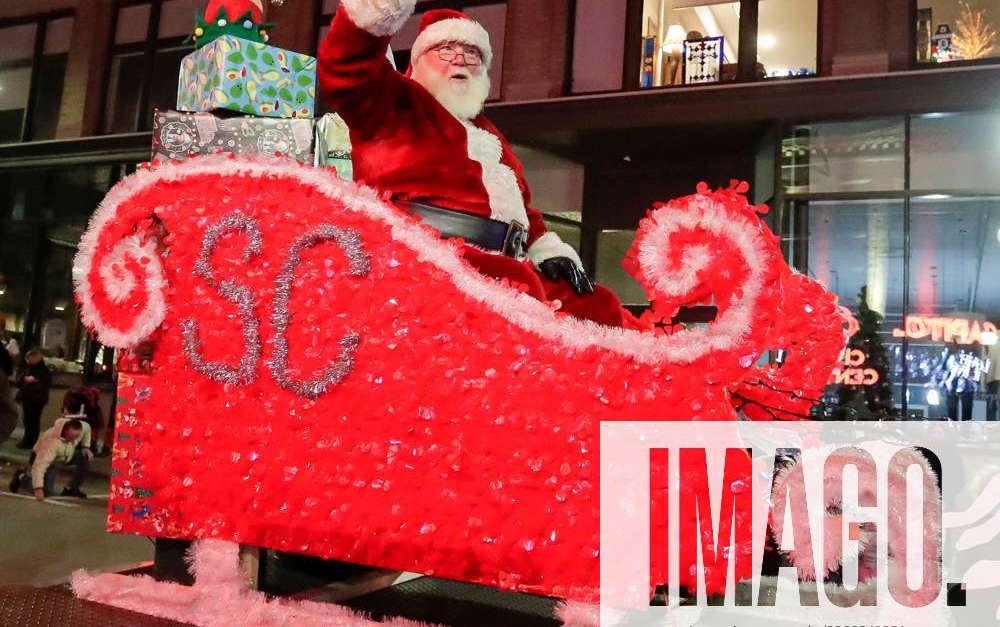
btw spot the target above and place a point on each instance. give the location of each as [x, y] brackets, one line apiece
[931, 65]
[147, 48]
[41, 22]
[783, 201]
[747, 56]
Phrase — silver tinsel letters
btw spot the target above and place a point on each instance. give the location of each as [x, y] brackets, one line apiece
[241, 296]
[359, 265]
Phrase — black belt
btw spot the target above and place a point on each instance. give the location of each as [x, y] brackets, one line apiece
[509, 239]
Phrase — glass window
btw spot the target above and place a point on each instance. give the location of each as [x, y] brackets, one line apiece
[133, 24]
[39, 236]
[855, 249]
[689, 41]
[135, 79]
[128, 77]
[957, 31]
[857, 156]
[786, 37]
[166, 68]
[18, 66]
[177, 17]
[955, 298]
[17, 258]
[611, 248]
[956, 152]
[15, 78]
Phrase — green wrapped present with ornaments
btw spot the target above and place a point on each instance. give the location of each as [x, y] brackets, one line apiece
[234, 68]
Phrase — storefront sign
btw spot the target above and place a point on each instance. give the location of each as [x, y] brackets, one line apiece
[851, 371]
[949, 330]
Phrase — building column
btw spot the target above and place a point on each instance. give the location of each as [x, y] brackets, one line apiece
[86, 68]
[535, 50]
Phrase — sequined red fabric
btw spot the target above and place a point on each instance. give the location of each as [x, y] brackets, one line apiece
[459, 434]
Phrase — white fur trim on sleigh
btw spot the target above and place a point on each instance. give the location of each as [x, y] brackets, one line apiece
[379, 17]
[455, 29]
[548, 246]
[571, 334]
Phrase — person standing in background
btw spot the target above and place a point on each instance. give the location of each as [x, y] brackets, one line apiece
[8, 342]
[34, 382]
[8, 411]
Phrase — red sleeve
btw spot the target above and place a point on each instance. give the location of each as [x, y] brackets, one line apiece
[355, 75]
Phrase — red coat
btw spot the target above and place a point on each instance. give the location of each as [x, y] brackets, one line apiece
[405, 142]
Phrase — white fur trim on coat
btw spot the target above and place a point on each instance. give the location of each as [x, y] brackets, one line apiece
[464, 31]
[500, 181]
[550, 245]
[379, 17]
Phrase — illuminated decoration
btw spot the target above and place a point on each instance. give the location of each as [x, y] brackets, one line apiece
[948, 330]
[933, 397]
[406, 411]
[962, 372]
[974, 38]
[648, 61]
[703, 59]
[851, 371]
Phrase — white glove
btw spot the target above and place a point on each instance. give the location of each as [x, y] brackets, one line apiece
[379, 17]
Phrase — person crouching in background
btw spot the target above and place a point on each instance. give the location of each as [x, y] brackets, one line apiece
[66, 443]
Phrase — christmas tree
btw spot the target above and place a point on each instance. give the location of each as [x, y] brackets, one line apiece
[974, 37]
[874, 401]
[238, 18]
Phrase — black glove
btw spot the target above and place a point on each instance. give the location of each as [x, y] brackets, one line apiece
[558, 268]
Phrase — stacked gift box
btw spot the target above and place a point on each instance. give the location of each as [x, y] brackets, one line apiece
[249, 98]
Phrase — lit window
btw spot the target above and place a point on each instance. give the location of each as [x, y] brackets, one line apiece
[957, 31]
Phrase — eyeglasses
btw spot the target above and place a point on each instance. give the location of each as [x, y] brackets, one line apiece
[450, 52]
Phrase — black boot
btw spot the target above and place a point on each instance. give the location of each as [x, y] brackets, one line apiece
[68, 491]
[15, 482]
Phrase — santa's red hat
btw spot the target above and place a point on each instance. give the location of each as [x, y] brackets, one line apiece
[445, 25]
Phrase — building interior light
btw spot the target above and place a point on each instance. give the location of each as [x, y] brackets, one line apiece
[766, 41]
[933, 397]
[934, 197]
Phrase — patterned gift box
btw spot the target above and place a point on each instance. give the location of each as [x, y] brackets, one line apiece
[177, 135]
[333, 145]
[248, 77]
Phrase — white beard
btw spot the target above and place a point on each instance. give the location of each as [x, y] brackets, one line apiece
[464, 100]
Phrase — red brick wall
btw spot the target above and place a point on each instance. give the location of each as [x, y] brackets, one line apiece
[535, 51]
[83, 96]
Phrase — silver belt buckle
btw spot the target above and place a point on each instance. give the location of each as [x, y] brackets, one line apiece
[514, 242]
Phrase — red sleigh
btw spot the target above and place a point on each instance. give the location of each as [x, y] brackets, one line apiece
[331, 378]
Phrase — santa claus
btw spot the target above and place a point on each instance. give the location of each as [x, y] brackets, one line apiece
[421, 138]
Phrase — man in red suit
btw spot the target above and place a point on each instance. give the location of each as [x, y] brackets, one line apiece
[422, 138]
